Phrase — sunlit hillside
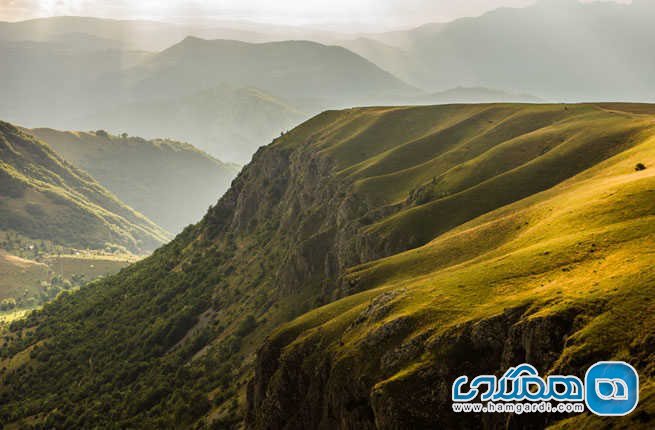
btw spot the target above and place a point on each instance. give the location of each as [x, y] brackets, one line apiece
[560, 279]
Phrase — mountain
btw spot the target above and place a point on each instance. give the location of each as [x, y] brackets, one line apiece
[555, 49]
[50, 29]
[358, 263]
[231, 122]
[44, 197]
[290, 69]
[390, 58]
[171, 183]
[546, 280]
[249, 92]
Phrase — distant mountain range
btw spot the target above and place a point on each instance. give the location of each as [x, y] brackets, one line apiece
[294, 70]
[249, 92]
[155, 35]
[562, 50]
[100, 76]
[554, 49]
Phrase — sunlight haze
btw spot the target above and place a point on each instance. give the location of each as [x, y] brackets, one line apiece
[343, 15]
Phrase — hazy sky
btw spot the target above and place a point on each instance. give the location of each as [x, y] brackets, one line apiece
[382, 14]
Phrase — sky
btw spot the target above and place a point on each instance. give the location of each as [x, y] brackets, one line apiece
[329, 14]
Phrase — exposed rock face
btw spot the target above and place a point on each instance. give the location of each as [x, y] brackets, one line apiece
[306, 386]
[311, 217]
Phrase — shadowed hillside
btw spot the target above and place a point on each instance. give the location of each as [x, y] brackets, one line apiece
[171, 183]
[443, 239]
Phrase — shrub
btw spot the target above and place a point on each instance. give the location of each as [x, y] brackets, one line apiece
[246, 326]
[639, 167]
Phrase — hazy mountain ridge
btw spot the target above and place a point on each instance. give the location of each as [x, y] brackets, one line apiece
[292, 234]
[170, 182]
[223, 120]
[155, 35]
[44, 197]
[143, 93]
[292, 69]
[556, 50]
[36, 98]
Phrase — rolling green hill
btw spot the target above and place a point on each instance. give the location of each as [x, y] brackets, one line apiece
[442, 240]
[560, 279]
[44, 197]
[171, 183]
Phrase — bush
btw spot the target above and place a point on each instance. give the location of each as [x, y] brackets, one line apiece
[639, 167]
[246, 326]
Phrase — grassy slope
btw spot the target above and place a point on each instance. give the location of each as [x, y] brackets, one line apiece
[171, 183]
[235, 263]
[587, 241]
[44, 197]
[444, 165]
